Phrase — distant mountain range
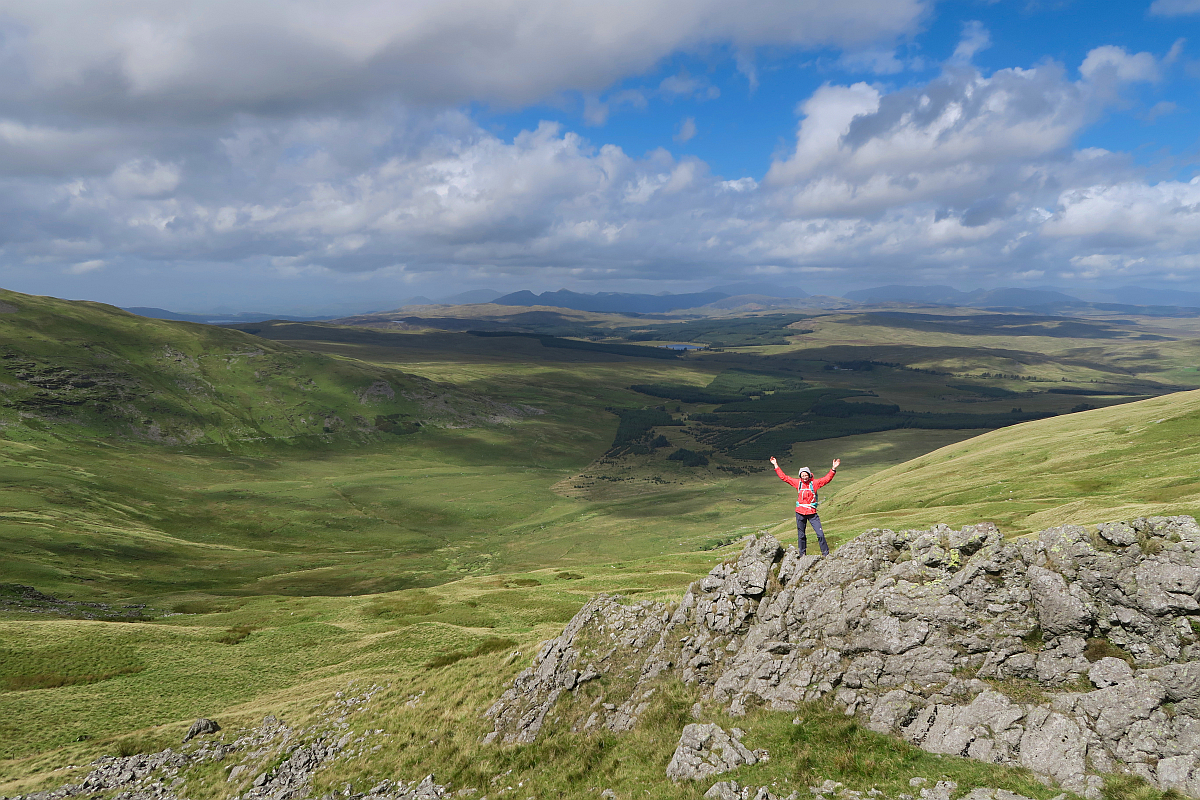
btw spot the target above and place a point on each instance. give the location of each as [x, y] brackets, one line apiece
[611, 302]
[1138, 296]
[948, 295]
[764, 296]
[624, 302]
[761, 289]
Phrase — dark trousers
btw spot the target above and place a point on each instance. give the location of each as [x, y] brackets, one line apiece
[801, 521]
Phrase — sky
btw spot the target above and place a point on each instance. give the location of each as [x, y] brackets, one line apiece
[311, 156]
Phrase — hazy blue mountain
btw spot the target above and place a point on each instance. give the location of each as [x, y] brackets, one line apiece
[473, 296]
[947, 295]
[611, 302]
[1021, 298]
[1138, 295]
[761, 289]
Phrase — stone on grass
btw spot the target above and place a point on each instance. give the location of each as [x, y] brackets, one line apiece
[705, 750]
[201, 727]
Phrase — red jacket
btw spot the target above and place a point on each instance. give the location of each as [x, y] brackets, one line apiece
[806, 494]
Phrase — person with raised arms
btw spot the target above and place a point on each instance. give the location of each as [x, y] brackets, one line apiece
[806, 502]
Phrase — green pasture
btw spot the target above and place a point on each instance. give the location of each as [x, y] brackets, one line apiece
[283, 557]
[1116, 463]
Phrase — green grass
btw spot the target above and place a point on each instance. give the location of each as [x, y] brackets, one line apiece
[1109, 464]
[290, 562]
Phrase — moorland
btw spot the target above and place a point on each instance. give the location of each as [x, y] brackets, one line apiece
[274, 511]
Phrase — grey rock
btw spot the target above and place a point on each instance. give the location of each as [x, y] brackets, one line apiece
[705, 750]
[731, 790]
[754, 564]
[1109, 672]
[1059, 611]
[200, 727]
[1117, 533]
[725, 790]
[159, 776]
[903, 629]
[942, 790]
[1181, 681]
[1181, 773]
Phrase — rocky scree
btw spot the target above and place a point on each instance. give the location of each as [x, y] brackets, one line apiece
[942, 790]
[1072, 653]
[296, 755]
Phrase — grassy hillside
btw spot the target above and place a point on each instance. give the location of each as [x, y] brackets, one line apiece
[283, 558]
[76, 370]
[305, 476]
[1115, 463]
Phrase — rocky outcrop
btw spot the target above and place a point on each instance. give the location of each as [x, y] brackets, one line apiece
[707, 750]
[1070, 653]
[201, 727]
[270, 762]
[942, 790]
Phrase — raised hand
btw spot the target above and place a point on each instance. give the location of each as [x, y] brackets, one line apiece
[774, 463]
[837, 462]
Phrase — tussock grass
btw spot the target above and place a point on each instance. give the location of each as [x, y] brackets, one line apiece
[1133, 787]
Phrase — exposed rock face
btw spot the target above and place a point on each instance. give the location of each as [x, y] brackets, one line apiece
[942, 790]
[959, 641]
[200, 727]
[707, 750]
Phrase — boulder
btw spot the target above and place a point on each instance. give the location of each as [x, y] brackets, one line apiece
[705, 750]
[200, 727]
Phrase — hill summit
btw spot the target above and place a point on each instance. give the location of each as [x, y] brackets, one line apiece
[1070, 654]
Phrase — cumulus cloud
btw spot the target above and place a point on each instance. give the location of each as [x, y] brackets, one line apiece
[198, 59]
[1110, 62]
[970, 171]
[975, 38]
[145, 178]
[880, 62]
[687, 86]
[962, 139]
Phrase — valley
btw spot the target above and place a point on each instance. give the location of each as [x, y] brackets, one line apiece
[303, 506]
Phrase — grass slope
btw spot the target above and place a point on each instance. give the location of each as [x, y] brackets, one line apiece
[1114, 463]
[74, 370]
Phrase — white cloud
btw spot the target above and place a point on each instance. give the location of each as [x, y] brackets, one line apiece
[970, 174]
[1130, 214]
[1160, 109]
[595, 111]
[1172, 8]
[145, 178]
[964, 141]
[975, 38]
[1109, 62]
[198, 58]
[687, 130]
